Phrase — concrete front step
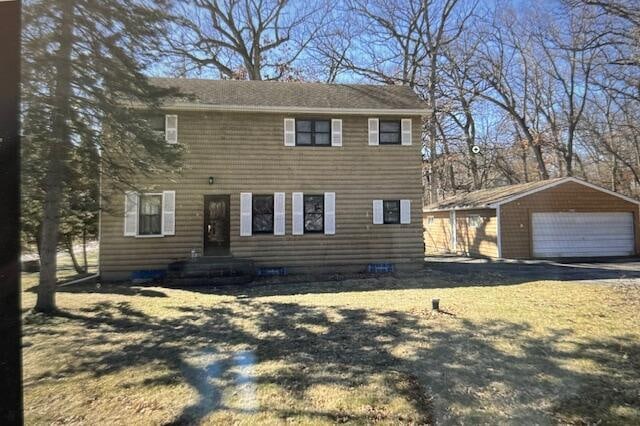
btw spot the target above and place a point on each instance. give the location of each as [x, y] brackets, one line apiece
[211, 271]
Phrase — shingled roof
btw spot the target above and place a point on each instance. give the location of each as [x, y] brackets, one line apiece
[274, 95]
[485, 198]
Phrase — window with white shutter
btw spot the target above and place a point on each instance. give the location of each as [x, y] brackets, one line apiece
[130, 214]
[377, 212]
[329, 213]
[297, 213]
[406, 131]
[405, 211]
[373, 131]
[245, 214]
[168, 212]
[171, 129]
[289, 132]
[279, 213]
[336, 132]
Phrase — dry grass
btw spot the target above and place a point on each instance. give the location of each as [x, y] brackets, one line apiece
[359, 351]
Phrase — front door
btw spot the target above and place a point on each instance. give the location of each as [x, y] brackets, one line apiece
[216, 225]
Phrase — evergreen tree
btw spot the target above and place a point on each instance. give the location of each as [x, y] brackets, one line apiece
[83, 81]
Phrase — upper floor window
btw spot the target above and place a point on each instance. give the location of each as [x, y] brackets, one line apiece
[313, 213]
[150, 214]
[157, 123]
[262, 214]
[390, 132]
[391, 211]
[313, 132]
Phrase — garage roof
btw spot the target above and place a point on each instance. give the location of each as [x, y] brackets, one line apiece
[492, 198]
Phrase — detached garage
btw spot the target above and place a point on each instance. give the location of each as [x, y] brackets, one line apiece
[564, 217]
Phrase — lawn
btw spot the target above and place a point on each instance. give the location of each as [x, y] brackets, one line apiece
[362, 350]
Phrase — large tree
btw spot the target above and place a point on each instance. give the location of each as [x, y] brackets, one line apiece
[243, 39]
[83, 64]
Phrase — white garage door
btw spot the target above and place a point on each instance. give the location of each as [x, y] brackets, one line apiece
[582, 234]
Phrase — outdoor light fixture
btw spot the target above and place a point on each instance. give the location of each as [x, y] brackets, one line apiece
[210, 180]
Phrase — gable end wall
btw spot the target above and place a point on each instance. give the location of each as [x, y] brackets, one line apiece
[515, 216]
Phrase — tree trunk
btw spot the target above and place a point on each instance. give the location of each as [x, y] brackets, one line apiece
[614, 174]
[470, 137]
[68, 242]
[525, 169]
[58, 146]
[84, 250]
[432, 120]
[569, 154]
[537, 151]
[450, 172]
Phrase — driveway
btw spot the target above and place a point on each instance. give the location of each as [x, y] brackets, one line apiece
[579, 270]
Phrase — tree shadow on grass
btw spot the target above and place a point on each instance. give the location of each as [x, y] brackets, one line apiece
[464, 363]
[124, 289]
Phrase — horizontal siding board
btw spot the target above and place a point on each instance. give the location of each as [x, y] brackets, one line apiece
[253, 158]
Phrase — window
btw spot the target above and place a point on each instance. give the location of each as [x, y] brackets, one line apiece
[150, 214]
[430, 220]
[314, 213]
[391, 211]
[157, 122]
[262, 214]
[474, 221]
[313, 132]
[390, 132]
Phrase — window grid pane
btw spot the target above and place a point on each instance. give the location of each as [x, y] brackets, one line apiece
[314, 213]
[156, 122]
[313, 132]
[390, 132]
[391, 211]
[262, 214]
[150, 215]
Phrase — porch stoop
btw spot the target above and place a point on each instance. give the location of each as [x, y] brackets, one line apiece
[211, 270]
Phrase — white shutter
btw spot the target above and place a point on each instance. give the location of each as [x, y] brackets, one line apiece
[336, 132]
[297, 214]
[377, 212]
[406, 131]
[405, 211]
[245, 214]
[329, 213]
[290, 132]
[278, 213]
[168, 212]
[130, 214]
[373, 131]
[171, 128]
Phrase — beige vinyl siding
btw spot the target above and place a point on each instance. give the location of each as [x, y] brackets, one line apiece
[245, 152]
[515, 216]
[480, 241]
[437, 235]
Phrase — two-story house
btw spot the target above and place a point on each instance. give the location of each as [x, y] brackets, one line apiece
[298, 175]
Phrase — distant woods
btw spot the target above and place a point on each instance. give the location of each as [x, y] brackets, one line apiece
[515, 92]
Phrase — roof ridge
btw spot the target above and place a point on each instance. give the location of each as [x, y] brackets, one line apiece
[278, 82]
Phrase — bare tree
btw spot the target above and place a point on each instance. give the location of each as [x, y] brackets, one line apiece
[569, 51]
[244, 39]
[504, 64]
[462, 92]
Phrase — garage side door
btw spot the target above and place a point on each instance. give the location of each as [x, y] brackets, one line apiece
[582, 234]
